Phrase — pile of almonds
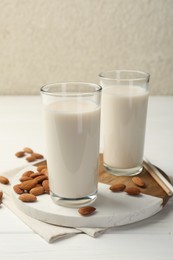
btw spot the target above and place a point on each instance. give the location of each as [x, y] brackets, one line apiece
[33, 184]
[31, 156]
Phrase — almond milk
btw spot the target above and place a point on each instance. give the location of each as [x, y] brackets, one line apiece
[72, 139]
[124, 112]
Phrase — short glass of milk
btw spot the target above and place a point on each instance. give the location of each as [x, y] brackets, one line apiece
[72, 136]
[123, 120]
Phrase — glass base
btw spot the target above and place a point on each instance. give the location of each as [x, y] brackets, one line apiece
[73, 203]
[123, 172]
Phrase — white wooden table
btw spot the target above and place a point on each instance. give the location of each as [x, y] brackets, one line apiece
[21, 125]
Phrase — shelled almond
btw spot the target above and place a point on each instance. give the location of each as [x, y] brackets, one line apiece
[20, 154]
[28, 185]
[133, 191]
[38, 190]
[4, 180]
[26, 197]
[87, 210]
[41, 167]
[117, 187]
[45, 185]
[27, 150]
[17, 189]
[138, 181]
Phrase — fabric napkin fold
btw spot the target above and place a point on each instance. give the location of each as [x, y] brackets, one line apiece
[47, 231]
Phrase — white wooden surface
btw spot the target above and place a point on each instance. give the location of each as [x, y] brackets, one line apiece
[21, 125]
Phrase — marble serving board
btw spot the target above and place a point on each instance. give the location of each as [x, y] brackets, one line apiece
[112, 209]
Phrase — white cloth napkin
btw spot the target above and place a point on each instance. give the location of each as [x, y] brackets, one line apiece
[47, 231]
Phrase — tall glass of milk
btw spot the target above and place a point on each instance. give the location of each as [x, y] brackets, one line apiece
[72, 135]
[123, 120]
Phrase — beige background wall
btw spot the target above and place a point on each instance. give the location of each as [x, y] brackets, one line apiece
[42, 41]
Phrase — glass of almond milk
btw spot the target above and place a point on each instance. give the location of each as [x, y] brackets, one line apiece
[123, 120]
[72, 135]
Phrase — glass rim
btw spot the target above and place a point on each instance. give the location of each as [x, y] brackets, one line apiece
[105, 75]
[46, 88]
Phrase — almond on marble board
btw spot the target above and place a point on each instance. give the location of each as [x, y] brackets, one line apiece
[28, 185]
[41, 167]
[38, 190]
[4, 180]
[26, 197]
[138, 181]
[45, 185]
[44, 171]
[87, 210]
[27, 173]
[36, 174]
[117, 187]
[17, 189]
[133, 191]
[41, 178]
[25, 178]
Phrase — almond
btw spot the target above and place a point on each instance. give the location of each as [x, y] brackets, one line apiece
[20, 154]
[44, 171]
[28, 185]
[26, 197]
[17, 189]
[38, 155]
[36, 174]
[39, 190]
[41, 178]
[25, 178]
[133, 191]
[117, 187]
[27, 173]
[45, 185]
[87, 210]
[31, 158]
[138, 181]
[1, 195]
[41, 167]
[27, 150]
[4, 180]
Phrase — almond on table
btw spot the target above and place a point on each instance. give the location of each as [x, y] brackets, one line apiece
[27, 150]
[4, 180]
[31, 158]
[20, 154]
[38, 155]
